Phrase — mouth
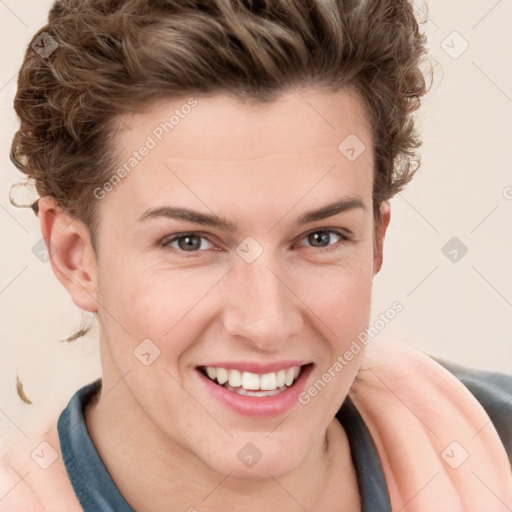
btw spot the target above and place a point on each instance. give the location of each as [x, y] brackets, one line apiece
[245, 383]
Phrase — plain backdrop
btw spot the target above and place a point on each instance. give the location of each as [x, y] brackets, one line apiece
[448, 251]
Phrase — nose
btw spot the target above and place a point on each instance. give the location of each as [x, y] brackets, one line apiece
[261, 305]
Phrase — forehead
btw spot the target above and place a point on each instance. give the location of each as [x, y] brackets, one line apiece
[215, 148]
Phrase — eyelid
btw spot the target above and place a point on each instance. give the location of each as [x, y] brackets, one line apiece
[344, 234]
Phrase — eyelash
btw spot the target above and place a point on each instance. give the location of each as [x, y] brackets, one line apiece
[344, 238]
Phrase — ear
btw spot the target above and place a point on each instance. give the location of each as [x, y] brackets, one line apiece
[70, 253]
[379, 233]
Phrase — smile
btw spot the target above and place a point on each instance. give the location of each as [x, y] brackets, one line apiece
[253, 384]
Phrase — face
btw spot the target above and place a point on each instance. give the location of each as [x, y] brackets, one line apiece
[213, 265]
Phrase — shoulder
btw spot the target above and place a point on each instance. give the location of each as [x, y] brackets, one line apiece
[494, 392]
[15, 493]
[33, 477]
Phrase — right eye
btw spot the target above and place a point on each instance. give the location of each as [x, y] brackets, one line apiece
[184, 242]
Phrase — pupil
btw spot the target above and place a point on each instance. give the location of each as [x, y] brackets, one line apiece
[321, 236]
[191, 242]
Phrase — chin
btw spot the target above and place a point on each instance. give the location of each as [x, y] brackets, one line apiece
[252, 457]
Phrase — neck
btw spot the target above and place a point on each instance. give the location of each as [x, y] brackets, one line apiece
[152, 471]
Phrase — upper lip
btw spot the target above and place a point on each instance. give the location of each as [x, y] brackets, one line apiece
[254, 367]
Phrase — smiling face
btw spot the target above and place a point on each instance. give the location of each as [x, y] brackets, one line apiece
[241, 242]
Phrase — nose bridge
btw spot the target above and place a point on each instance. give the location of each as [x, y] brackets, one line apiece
[261, 306]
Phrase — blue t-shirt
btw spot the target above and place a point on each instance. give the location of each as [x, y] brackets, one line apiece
[96, 490]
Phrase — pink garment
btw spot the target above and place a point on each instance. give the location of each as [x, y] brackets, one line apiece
[438, 447]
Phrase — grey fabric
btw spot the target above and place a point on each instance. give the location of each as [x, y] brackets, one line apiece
[494, 392]
[96, 491]
[91, 481]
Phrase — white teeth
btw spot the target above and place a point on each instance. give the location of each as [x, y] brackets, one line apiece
[235, 378]
[222, 375]
[212, 372]
[280, 378]
[248, 381]
[268, 381]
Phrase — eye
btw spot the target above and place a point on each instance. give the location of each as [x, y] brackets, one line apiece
[321, 239]
[186, 242]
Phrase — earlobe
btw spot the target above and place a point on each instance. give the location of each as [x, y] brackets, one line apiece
[70, 253]
[380, 233]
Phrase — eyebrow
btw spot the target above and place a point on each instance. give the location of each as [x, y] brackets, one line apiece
[343, 205]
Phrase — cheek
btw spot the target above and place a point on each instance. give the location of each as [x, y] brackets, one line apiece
[161, 304]
[341, 294]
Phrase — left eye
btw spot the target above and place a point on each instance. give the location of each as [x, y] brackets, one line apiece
[320, 239]
[188, 242]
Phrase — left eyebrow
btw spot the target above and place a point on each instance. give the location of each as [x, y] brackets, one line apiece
[349, 203]
[346, 204]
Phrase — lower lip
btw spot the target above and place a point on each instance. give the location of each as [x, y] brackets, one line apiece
[264, 406]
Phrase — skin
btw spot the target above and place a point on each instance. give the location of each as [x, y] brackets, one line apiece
[261, 166]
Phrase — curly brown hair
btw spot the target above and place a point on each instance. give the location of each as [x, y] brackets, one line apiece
[115, 56]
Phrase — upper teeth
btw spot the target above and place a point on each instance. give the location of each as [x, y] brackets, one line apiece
[254, 381]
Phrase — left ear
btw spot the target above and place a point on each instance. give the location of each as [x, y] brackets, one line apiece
[379, 233]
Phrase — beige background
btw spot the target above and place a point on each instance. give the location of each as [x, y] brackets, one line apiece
[461, 311]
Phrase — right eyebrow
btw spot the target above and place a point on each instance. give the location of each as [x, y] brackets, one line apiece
[206, 219]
